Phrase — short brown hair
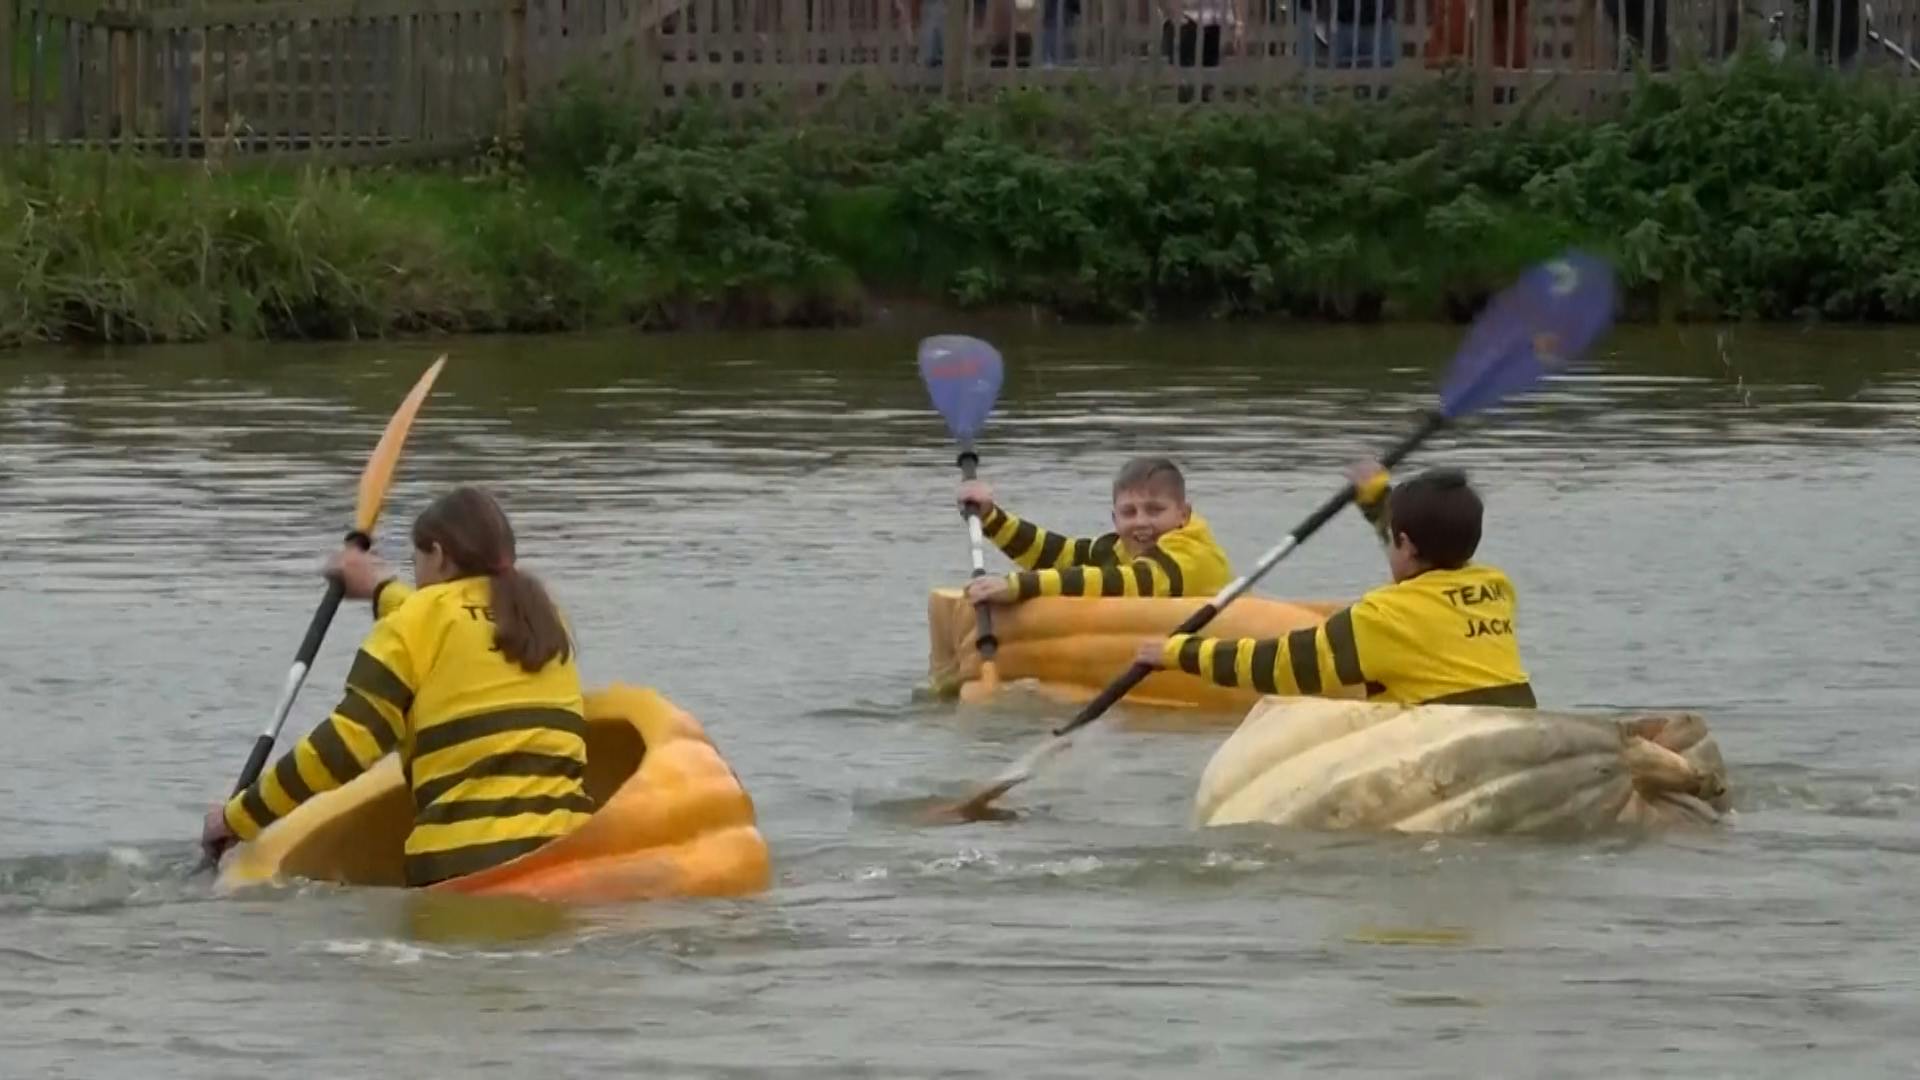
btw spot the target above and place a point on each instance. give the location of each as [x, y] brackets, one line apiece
[1440, 513]
[1151, 472]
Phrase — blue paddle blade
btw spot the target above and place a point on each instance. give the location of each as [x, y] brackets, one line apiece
[963, 377]
[1542, 322]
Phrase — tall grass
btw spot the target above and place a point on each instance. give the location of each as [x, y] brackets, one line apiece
[101, 248]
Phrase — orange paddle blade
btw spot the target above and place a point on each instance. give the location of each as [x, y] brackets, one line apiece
[378, 476]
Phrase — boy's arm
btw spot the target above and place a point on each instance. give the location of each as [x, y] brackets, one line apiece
[1154, 574]
[1035, 548]
[1306, 662]
[369, 721]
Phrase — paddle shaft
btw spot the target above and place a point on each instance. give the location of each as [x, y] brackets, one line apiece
[984, 640]
[297, 674]
[1430, 423]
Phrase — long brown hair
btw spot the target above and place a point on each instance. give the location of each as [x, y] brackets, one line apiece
[474, 534]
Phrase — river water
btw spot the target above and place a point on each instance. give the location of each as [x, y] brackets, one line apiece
[750, 523]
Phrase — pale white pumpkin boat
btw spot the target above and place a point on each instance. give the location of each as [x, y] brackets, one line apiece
[1329, 764]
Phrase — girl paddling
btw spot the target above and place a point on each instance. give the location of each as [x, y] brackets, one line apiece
[470, 677]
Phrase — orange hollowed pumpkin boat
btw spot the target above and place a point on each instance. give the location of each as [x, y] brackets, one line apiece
[1069, 648]
[672, 821]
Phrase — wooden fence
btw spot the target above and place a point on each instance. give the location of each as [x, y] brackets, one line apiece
[337, 79]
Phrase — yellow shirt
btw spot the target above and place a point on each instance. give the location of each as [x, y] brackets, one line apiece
[495, 757]
[1445, 636]
[1187, 561]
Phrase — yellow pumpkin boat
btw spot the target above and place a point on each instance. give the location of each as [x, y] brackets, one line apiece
[1070, 648]
[672, 821]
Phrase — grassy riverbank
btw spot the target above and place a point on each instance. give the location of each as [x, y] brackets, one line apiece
[1768, 191]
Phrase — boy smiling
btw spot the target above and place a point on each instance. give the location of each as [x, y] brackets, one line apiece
[1159, 545]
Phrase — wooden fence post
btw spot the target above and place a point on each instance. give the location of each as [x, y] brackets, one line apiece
[9, 110]
[514, 122]
[955, 47]
[1483, 62]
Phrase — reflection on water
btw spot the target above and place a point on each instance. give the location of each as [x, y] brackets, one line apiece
[1693, 518]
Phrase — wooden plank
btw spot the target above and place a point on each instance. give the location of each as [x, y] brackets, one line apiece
[279, 111]
[286, 81]
[78, 10]
[160, 84]
[383, 80]
[433, 37]
[502, 83]
[9, 103]
[243, 86]
[96, 76]
[143, 95]
[453, 108]
[286, 72]
[490, 67]
[493, 58]
[181, 89]
[263, 60]
[334, 104]
[258, 79]
[481, 82]
[419, 76]
[319, 82]
[377, 100]
[406, 110]
[386, 152]
[204, 84]
[338, 77]
[514, 73]
[460, 78]
[306, 76]
[453, 78]
[37, 79]
[242, 102]
[73, 98]
[1483, 62]
[360, 78]
[231, 127]
[346, 42]
[420, 72]
[452, 81]
[123, 49]
[433, 49]
[280, 11]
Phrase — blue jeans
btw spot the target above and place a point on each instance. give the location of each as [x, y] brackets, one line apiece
[1054, 27]
[1353, 45]
[933, 26]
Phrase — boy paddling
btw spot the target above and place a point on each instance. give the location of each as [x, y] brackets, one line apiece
[1441, 633]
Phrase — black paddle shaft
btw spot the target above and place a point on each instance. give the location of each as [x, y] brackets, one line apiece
[309, 648]
[1430, 422]
[969, 463]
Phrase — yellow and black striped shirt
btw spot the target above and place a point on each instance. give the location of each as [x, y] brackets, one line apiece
[1187, 561]
[496, 757]
[1442, 637]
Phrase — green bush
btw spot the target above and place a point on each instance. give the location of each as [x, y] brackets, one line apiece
[1754, 190]
[1760, 189]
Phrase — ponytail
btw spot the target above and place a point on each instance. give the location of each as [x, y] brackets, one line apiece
[473, 531]
[527, 626]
